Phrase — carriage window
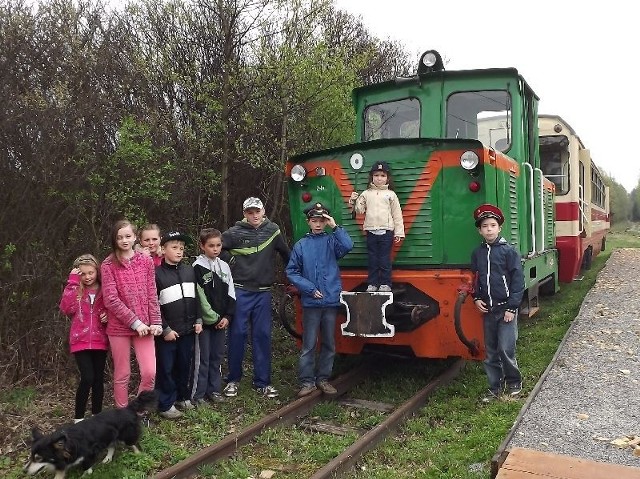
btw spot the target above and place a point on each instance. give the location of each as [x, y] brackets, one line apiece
[481, 115]
[554, 161]
[395, 119]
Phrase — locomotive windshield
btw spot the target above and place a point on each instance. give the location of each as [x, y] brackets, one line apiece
[481, 115]
[394, 119]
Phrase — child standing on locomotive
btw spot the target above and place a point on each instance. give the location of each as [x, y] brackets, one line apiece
[313, 270]
[498, 292]
[382, 222]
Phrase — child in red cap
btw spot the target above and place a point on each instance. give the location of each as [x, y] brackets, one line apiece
[498, 292]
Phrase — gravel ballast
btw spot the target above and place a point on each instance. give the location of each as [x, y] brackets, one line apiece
[590, 395]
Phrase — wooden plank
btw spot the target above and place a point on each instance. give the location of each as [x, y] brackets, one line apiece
[332, 428]
[364, 404]
[529, 464]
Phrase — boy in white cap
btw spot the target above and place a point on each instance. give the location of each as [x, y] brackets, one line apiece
[252, 244]
[498, 292]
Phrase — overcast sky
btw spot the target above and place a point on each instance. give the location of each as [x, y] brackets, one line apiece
[578, 61]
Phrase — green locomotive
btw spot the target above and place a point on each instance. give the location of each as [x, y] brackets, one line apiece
[454, 140]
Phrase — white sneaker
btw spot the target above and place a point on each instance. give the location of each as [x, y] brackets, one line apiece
[384, 288]
[184, 405]
[371, 288]
[231, 390]
[171, 413]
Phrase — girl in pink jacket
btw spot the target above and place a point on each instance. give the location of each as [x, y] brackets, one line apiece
[82, 302]
[133, 313]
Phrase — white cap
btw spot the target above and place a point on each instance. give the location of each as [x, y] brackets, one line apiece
[252, 202]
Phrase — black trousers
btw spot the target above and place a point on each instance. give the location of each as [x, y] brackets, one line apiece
[91, 364]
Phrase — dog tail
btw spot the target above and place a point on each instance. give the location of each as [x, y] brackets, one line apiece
[145, 401]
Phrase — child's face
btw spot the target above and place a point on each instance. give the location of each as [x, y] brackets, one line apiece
[254, 216]
[173, 251]
[380, 178]
[212, 247]
[317, 225]
[88, 274]
[125, 239]
[489, 229]
[150, 239]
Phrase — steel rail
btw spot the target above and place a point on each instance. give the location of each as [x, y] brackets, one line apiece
[282, 417]
[348, 458]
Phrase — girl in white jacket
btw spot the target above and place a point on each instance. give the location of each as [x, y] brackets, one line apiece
[383, 224]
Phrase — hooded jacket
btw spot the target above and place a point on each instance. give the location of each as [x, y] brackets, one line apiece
[382, 210]
[129, 292]
[215, 289]
[179, 306]
[86, 330]
[314, 266]
[499, 278]
[252, 251]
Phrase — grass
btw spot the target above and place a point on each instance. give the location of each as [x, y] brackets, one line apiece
[453, 436]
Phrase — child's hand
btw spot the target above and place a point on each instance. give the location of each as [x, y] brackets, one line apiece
[222, 324]
[143, 330]
[397, 239]
[198, 328]
[508, 316]
[353, 197]
[481, 305]
[331, 223]
[171, 336]
[75, 271]
[317, 294]
[103, 317]
[156, 329]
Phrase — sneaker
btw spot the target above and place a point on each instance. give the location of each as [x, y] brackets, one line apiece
[384, 288]
[184, 405]
[199, 402]
[327, 388]
[268, 391]
[231, 390]
[372, 288]
[306, 390]
[491, 396]
[514, 389]
[77, 420]
[215, 397]
[171, 413]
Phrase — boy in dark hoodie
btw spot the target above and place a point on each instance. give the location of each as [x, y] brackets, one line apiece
[180, 312]
[498, 293]
[218, 302]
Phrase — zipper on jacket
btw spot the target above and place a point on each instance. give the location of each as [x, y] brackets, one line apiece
[489, 275]
[506, 287]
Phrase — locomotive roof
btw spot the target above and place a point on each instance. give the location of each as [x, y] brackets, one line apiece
[445, 75]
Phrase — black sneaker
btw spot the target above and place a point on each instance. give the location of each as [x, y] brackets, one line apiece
[491, 396]
[514, 389]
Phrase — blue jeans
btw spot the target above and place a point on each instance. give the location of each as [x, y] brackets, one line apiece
[251, 307]
[379, 258]
[208, 358]
[314, 319]
[173, 370]
[500, 343]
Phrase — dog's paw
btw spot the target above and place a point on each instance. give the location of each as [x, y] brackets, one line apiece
[88, 471]
[109, 456]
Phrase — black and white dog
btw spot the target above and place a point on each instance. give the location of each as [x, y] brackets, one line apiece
[81, 443]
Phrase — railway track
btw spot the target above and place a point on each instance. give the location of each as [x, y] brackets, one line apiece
[291, 413]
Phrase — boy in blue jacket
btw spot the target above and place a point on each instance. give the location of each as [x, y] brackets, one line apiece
[498, 293]
[313, 270]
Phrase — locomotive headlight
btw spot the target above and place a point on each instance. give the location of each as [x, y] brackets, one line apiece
[298, 173]
[469, 160]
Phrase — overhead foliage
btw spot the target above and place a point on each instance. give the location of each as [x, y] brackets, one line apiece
[169, 111]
